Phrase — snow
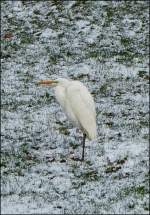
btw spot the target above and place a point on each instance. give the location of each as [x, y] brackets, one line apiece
[104, 45]
[48, 33]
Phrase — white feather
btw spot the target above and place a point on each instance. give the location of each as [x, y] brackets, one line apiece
[78, 104]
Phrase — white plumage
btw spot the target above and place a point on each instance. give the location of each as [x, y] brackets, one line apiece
[77, 103]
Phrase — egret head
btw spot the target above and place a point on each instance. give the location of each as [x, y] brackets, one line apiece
[54, 83]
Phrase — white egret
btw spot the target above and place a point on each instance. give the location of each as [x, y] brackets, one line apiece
[77, 103]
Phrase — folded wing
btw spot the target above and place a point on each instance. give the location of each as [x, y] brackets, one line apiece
[83, 107]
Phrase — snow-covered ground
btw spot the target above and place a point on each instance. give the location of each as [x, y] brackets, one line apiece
[104, 44]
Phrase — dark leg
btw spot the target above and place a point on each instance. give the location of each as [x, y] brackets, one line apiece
[83, 143]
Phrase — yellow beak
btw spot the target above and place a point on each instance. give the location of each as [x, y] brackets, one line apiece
[47, 82]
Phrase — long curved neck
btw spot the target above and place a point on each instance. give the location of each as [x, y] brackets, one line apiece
[60, 95]
[64, 83]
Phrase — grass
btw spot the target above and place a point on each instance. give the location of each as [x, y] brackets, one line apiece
[86, 175]
[90, 175]
[74, 145]
[142, 73]
[140, 191]
[64, 130]
[17, 161]
[125, 41]
[26, 38]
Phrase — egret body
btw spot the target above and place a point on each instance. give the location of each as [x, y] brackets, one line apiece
[77, 103]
